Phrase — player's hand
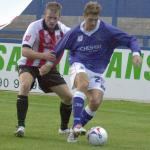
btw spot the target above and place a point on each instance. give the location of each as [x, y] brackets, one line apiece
[137, 60]
[49, 56]
[45, 69]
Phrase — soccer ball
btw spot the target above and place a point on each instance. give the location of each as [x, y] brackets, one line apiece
[97, 136]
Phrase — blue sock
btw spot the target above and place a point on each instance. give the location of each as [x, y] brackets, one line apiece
[86, 115]
[78, 104]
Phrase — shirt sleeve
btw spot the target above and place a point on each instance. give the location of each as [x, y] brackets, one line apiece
[121, 38]
[64, 43]
[30, 35]
[63, 27]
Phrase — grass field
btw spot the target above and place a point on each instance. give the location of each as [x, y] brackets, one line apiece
[127, 124]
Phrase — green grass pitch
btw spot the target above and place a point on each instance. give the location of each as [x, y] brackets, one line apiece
[127, 124]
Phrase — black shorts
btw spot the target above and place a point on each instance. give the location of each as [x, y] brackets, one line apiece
[52, 78]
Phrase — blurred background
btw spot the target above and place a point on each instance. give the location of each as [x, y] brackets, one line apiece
[131, 16]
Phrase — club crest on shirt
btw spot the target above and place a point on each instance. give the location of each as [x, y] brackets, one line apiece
[27, 38]
[80, 38]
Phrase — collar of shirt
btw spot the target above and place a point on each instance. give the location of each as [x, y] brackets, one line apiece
[46, 27]
[89, 33]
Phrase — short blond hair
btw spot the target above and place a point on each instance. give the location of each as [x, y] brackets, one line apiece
[93, 8]
[54, 7]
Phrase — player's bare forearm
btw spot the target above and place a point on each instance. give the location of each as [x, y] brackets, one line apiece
[29, 53]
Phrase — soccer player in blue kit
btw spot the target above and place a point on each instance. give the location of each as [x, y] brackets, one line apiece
[91, 45]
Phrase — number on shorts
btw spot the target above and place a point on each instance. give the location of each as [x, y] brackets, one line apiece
[97, 78]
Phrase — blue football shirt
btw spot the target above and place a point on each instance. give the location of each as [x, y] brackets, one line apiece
[95, 48]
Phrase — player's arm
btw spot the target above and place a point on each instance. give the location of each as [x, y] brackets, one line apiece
[28, 52]
[64, 43]
[123, 39]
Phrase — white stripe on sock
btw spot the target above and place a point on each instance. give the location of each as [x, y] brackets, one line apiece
[79, 94]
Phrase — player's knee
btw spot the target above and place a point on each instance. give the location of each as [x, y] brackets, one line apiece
[25, 87]
[82, 86]
[67, 99]
[94, 104]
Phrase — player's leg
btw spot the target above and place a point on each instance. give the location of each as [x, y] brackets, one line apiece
[79, 80]
[81, 84]
[26, 79]
[95, 93]
[54, 82]
[65, 106]
[79, 97]
[95, 99]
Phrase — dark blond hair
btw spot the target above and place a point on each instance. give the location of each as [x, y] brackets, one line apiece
[54, 7]
[92, 8]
